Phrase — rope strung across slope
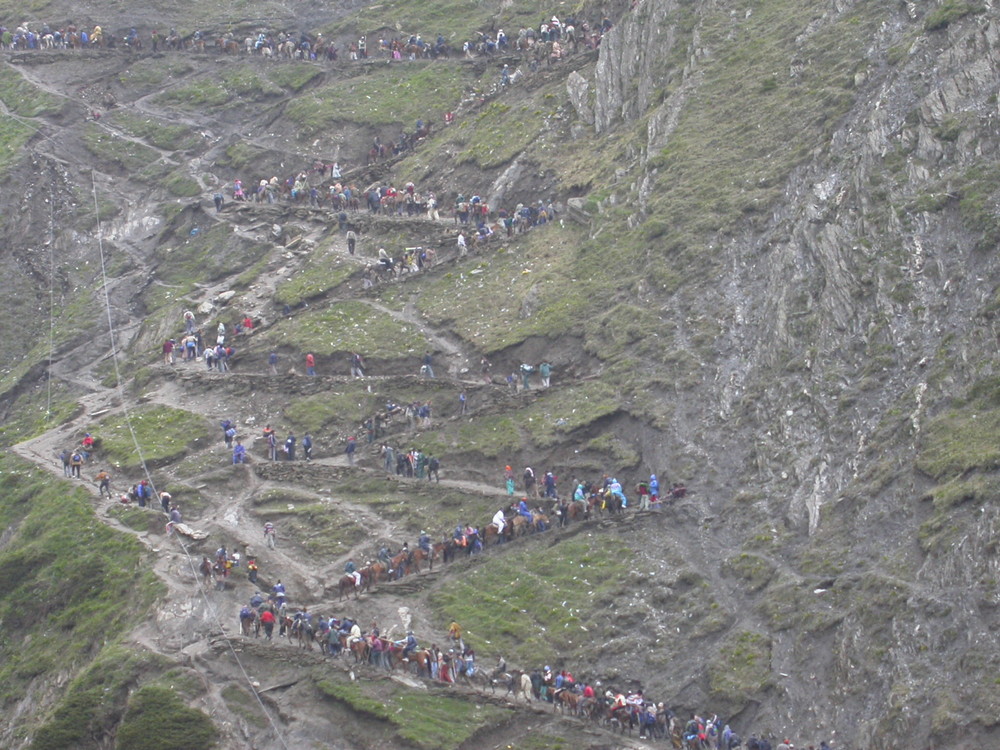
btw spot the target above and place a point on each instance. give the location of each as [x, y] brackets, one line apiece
[52, 307]
[213, 613]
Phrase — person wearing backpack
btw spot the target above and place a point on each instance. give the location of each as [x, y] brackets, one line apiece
[75, 463]
[103, 480]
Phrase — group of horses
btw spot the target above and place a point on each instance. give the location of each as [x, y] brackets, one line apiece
[407, 562]
[652, 721]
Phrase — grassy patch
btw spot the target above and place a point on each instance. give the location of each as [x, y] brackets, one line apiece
[150, 73]
[494, 437]
[499, 133]
[154, 131]
[94, 701]
[325, 410]
[977, 190]
[319, 527]
[430, 721]
[415, 505]
[293, 75]
[535, 607]
[156, 719]
[111, 150]
[948, 12]
[326, 269]
[439, 15]
[393, 94]
[181, 184]
[25, 99]
[500, 301]
[34, 412]
[976, 488]
[241, 155]
[233, 86]
[561, 410]
[742, 669]
[165, 434]
[345, 327]
[754, 570]
[244, 705]
[70, 583]
[964, 437]
[209, 254]
[13, 136]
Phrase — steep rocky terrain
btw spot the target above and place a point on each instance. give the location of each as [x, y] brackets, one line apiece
[773, 277]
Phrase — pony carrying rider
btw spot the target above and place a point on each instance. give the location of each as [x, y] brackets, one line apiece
[523, 510]
[352, 570]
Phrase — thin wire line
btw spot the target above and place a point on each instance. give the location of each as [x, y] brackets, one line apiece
[212, 611]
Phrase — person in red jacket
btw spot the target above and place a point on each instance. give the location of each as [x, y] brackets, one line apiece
[310, 365]
[267, 620]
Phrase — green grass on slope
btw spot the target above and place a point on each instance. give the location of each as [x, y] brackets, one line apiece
[532, 606]
[415, 505]
[347, 327]
[393, 94]
[212, 253]
[537, 289]
[318, 526]
[157, 132]
[38, 410]
[230, 87]
[13, 136]
[157, 719]
[750, 122]
[324, 270]
[557, 412]
[71, 585]
[964, 438]
[93, 701]
[165, 435]
[24, 99]
[429, 721]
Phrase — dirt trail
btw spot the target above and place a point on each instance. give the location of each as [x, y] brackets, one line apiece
[194, 620]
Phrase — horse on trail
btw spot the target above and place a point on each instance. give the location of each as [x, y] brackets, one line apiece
[419, 555]
[620, 717]
[359, 649]
[377, 571]
[400, 564]
[566, 701]
[303, 632]
[347, 584]
[419, 662]
[492, 536]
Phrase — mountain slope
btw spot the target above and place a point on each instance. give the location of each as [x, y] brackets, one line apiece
[773, 277]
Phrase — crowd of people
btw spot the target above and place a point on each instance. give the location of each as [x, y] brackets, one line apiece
[456, 663]
[570, 34]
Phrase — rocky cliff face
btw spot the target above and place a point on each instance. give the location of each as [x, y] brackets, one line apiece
[849, 317]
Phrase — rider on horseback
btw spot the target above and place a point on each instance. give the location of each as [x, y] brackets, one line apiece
[384, 259]
[424, 542]
[500, 522]
[523, 510]
[410, 644]
[352, 570]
